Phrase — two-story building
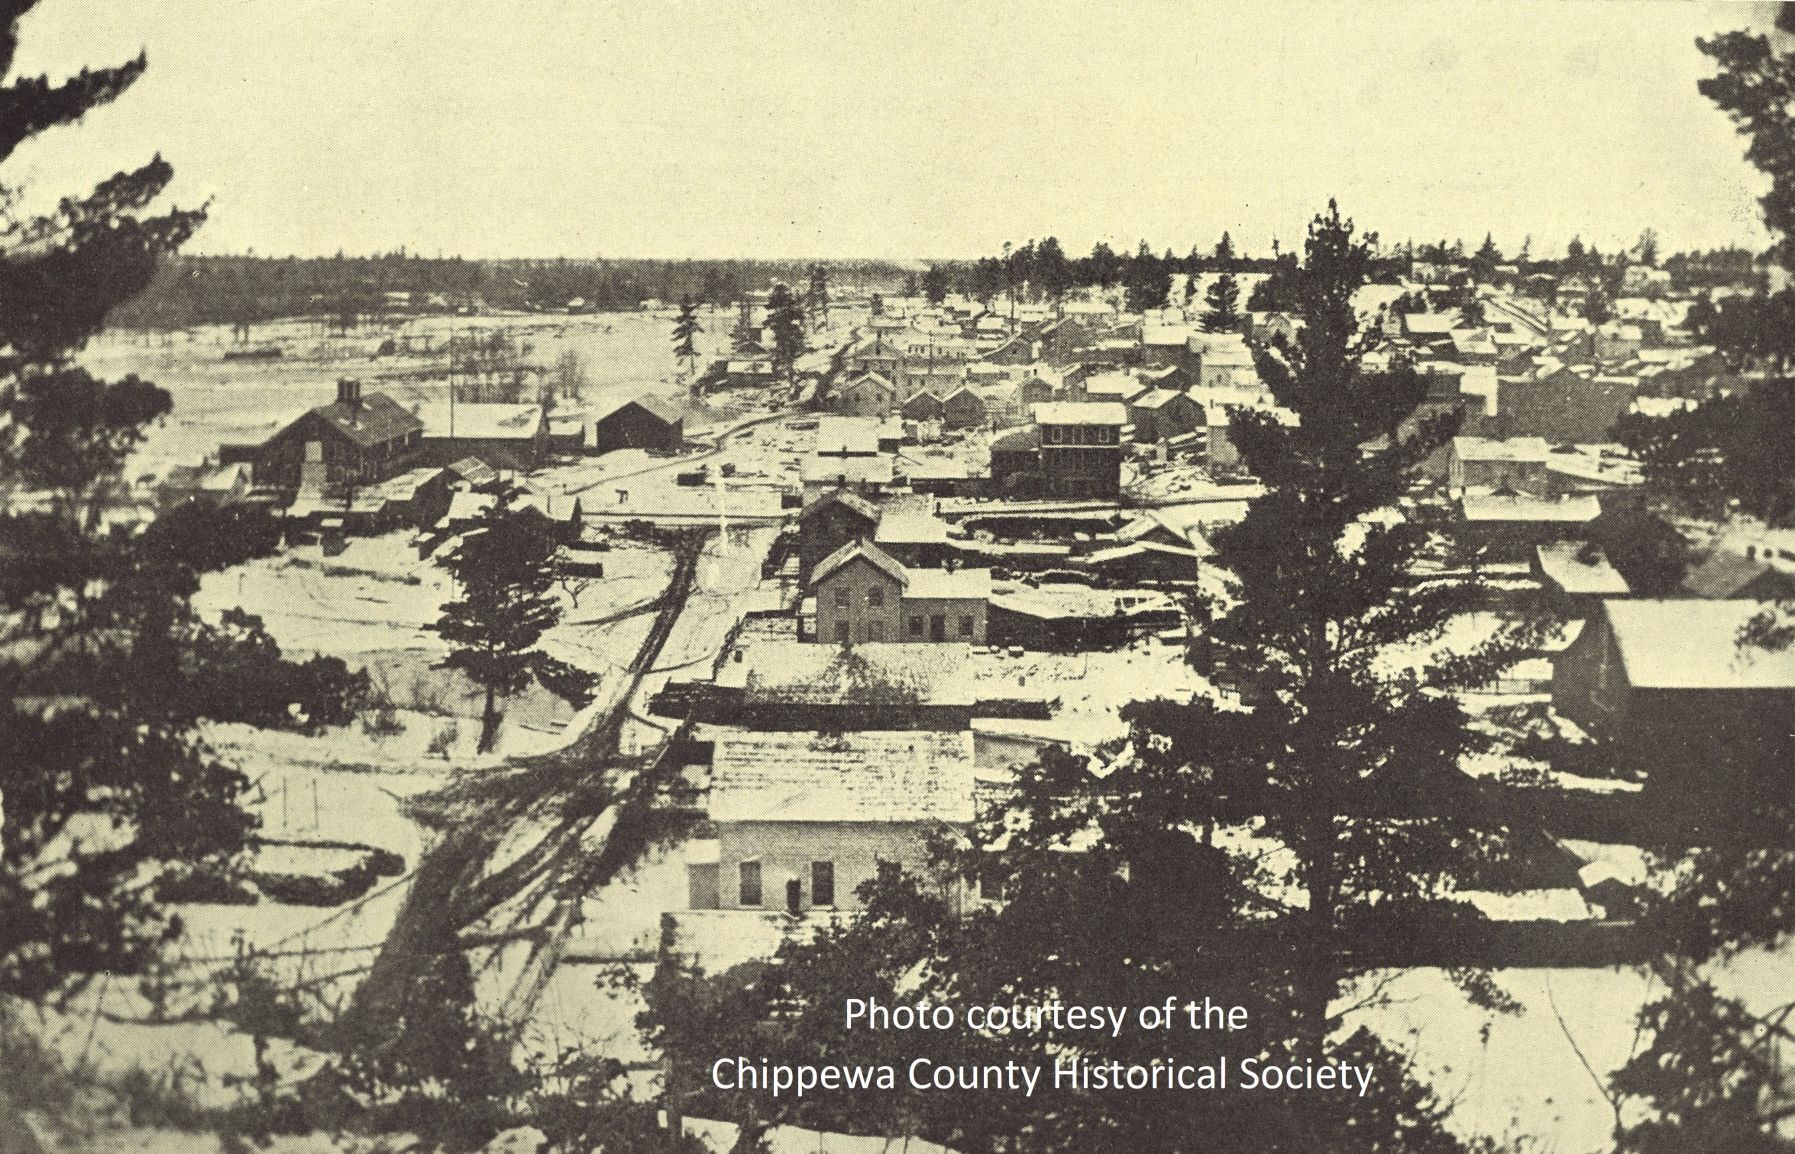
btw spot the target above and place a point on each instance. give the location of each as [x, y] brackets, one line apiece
[867, 394]
[356, 440]
[1483, 464]
[1081, 447]
[863, 594]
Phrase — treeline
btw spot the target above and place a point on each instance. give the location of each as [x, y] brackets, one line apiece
[246, 290]
[1043, 271]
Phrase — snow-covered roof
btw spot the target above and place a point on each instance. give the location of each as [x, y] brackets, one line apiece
[1080, 413]
[1156, 398]
[1217, 352]
[653, 405]
[839, 436]
[847, 470]
[867, 776]
[946, 585]
[481, 422]
[874, 673]
[1578, 567]
[860, 551]
[1119, 384]
[1529, 450]
[1519, 507]
[1429, 324]
[1695, 644]
[853, 501]
[910, 528]
[1166, 335]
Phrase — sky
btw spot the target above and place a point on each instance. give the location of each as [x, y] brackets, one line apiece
[901, 130]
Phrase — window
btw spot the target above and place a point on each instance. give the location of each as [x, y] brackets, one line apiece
[749, 874]
[990, 882]
[841, 633]
[965, 627]
[875, 630]
[822, 883]
[875, 596]
[916, 626]
[841, 596]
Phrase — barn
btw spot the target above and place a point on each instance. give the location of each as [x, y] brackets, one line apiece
[647, 422]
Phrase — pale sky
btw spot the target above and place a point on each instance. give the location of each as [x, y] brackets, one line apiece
[917, 129]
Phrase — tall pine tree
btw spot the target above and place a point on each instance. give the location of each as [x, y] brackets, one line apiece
[785, 317]
[110, 794]
[505, 569]
[685, 333]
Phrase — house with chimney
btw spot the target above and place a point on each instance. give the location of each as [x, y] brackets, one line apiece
[357, 439]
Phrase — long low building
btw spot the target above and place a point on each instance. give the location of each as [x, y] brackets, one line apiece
[803, 819]
[1677, 688]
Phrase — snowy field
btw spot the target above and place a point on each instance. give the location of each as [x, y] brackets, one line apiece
[216, 400]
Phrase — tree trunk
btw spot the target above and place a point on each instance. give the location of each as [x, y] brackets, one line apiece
[489, 722]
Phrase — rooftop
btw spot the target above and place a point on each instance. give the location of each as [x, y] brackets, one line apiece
[1695, 645]
[1516, 507]
[1080, 413]
[852, 501]
[911, 528]
[1156, 399]
[1723, 575]
[377, 419]
[846, 470]
[659, 407]
[876, 673]
[860, 551]
[1580, 568]
[946, 585]
[481, 422]
[866, 776]
[838, 436]
[1527, 449]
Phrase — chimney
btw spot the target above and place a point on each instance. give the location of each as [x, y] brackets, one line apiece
[349, 392]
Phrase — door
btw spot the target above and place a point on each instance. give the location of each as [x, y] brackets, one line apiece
[938, 628]
[794, 896]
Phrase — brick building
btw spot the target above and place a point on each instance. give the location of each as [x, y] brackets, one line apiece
[1081, 447]
[863, 594]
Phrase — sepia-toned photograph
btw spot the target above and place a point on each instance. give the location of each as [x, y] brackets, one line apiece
[788, 577]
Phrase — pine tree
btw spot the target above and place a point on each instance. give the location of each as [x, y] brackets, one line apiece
[1149, 282]
[1053, 271]
[785, 317]
[1224, 252]
[934, 284]
[744, 338]
[505, 567]
[105, 667]
[1223, 299]
[1485, 260]
[816, 301]
[685, 332]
